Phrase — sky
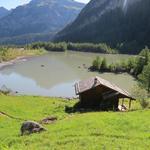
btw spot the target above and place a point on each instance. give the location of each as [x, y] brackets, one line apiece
[14, 3]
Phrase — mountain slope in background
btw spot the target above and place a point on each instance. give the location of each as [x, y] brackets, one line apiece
[38, 17]
[123, 24]
[3, 12]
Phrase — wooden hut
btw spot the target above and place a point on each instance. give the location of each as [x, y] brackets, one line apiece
[100, 94]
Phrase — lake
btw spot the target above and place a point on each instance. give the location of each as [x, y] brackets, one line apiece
[55, 73]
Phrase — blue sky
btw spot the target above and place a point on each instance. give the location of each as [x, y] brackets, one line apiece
[14, 3]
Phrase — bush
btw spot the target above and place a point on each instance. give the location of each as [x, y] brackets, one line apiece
[144, 77]
[103, 64]
[84, 47]
[144, 103]
[49, 46]
[96, 64]
[3, 53]
[142, 95]
[112, 67]
[91, 47]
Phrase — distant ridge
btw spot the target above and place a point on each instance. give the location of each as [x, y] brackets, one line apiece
[38, 17]
[3, 12]
[122, 24]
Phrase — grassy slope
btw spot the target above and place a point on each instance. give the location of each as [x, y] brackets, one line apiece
[94, 130]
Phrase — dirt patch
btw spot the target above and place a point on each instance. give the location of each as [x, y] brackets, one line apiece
[48, 120]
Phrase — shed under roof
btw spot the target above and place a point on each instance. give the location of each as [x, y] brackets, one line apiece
[85, 85]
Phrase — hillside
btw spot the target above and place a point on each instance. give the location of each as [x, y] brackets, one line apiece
[38, 18]
[76, 131]
[3, 12]
[124, 25]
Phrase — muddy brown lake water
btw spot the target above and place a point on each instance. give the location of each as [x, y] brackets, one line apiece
[55, 73]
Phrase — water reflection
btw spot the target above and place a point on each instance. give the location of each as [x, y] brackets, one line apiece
[54, 74]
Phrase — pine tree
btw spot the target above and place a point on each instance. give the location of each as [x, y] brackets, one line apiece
[103, 64]
[144, 77]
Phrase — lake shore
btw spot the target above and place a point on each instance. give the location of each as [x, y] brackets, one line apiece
[13, 61]
[43, 75]
[13, 56]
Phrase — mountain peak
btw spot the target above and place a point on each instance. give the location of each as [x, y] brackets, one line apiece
[3, 8]
[53, 1]
[123, 24]
[3, 12]
[39, 17]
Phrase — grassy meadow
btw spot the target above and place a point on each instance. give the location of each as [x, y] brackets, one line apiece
[75, 131]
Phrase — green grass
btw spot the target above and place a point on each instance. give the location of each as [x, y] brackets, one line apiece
[78, 131]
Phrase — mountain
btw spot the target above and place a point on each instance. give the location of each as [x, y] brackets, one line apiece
[3, 12]
[123, 24]
[38, 17]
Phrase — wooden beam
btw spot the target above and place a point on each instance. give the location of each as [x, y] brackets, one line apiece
[109, 95]
[122, 101]
[130, 104]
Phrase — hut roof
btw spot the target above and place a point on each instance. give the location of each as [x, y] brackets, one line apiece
[93, 82]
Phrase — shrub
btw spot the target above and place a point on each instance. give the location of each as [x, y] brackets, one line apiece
[49, 46]
[3, 53]
[91, 47]
[144, 77]
[103, 64]
[144, 103]
[96, 64]
[142, 95]
[112, 67]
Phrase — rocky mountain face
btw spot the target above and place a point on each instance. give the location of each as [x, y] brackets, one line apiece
[38, 17]
[3, 12]
[123, 24]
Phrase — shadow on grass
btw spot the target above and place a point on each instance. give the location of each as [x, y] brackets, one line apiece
[78, 108]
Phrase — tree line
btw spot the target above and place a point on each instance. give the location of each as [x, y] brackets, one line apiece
[83, 47]
[138, 66]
